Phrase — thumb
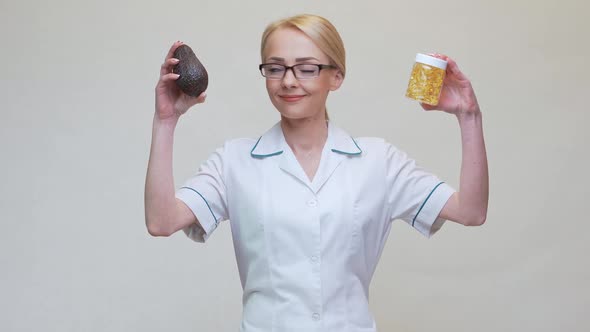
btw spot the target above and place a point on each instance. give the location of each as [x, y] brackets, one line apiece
[427, 107]
[190, 101]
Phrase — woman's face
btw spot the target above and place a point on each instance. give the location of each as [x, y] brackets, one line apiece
[298, 98]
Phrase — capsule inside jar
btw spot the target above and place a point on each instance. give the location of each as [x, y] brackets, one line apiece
[427, 79]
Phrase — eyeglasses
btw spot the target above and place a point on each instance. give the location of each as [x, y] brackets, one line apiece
[275, 71]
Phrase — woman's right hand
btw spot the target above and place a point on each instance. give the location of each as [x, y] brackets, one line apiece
[171, 102]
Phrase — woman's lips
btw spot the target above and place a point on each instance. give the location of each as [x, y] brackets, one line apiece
[292, 98]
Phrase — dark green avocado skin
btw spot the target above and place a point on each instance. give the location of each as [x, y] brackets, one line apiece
[193, 78]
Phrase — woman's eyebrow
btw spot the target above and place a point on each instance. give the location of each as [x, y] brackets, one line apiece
[306, 59]
[279, 59]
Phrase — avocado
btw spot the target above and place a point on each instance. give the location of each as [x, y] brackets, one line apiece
[193, 78]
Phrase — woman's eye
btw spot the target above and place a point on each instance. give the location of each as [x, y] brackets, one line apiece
[275, 69]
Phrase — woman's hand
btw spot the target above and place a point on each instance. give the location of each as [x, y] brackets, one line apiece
[457, 96]
[171, 102]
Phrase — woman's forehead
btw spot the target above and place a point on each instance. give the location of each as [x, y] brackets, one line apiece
[289, 44]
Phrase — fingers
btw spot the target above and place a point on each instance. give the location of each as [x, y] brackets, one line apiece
[168, 65]
[169, 77]
[451, 66]
[440, 56]
[172, 49]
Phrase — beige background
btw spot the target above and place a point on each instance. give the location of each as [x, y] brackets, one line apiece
[77, 80]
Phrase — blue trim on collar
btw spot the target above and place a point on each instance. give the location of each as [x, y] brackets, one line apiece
[260, 156]
[350, 153]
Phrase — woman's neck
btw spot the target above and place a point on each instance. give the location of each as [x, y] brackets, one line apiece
[305, 135]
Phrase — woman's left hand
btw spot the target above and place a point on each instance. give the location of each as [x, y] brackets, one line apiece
[457, 95]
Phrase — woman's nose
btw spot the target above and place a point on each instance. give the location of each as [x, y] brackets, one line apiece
[289, 80]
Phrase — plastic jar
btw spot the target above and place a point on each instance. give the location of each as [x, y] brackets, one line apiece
[427, 78]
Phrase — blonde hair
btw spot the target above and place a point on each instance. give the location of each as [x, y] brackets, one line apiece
[319, 30]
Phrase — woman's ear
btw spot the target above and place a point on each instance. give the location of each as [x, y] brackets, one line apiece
[336, 80]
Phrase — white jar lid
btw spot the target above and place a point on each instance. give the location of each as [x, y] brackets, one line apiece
[430, 60]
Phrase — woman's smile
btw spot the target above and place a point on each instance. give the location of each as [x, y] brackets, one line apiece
[291, 98]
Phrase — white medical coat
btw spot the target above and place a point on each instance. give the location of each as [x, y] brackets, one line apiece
[307, 250]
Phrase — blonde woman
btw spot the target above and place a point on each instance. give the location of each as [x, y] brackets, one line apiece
[309, 206]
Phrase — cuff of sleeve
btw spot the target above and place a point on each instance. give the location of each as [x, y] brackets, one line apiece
[426, 220]
[202, 211]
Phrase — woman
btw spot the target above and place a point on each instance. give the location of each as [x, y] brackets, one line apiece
[310, 206]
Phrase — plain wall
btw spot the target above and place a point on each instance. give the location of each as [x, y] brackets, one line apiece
[77, 101]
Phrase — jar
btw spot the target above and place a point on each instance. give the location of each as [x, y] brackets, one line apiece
[426, 80]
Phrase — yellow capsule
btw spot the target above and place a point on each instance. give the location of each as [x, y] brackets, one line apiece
[427, 79]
